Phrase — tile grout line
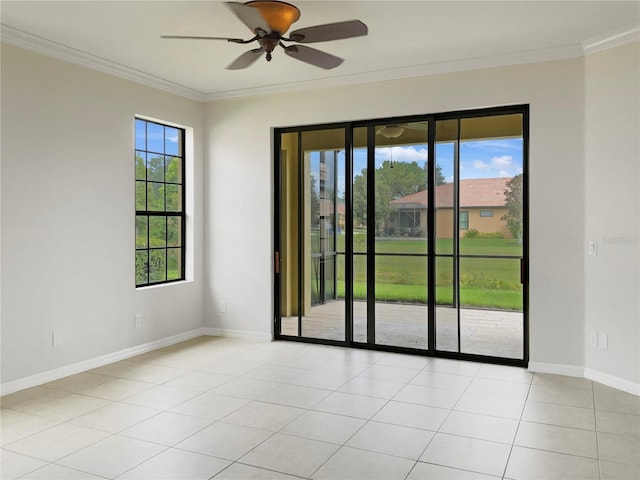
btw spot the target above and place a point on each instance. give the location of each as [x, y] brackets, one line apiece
[595, 428]
[306, 410]
[370, 419]
[515, 435]
[442, 423]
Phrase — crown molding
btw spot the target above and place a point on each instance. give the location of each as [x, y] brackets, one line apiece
[19, 38]
[616, 38]
[534, 56]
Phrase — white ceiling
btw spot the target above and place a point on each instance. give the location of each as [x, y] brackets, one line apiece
[405, 38]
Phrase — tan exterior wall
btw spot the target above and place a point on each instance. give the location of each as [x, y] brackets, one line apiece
[444, 222]
[487, 224]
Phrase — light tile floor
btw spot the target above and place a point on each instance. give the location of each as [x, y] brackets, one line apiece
[235, 409]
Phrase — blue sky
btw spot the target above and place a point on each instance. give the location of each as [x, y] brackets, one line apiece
[158, 138]
[478, 159]
[491, 158]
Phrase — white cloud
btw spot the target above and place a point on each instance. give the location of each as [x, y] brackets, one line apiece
[505, 173]
[503, 162]
[402, 154]
[481, 165]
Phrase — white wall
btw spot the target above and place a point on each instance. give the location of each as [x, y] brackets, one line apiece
[240, 194]
[68, 216]
[612, 132]
[67, 198]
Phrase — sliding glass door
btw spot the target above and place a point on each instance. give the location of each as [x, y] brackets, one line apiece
[405, 234]
[311, 226]
[479, 231]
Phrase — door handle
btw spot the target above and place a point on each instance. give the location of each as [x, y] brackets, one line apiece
[277, 262]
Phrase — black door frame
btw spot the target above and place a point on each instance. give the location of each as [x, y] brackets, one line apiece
[349, 127]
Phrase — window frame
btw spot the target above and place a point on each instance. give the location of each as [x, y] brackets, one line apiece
[180, 214]
[488, 213]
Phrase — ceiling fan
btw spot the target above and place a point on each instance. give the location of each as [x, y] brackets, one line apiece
[269, 20]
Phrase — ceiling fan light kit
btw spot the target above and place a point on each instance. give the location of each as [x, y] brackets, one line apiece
[278, 15]
[269, 20]
[391, 131]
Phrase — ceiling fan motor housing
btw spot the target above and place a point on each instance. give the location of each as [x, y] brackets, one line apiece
[269, 43]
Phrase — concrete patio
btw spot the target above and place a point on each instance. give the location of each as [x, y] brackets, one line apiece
[496, 333]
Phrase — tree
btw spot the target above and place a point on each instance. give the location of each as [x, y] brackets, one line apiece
[440, 180]
[360, 198]
[513, 202]
[314, 196]
[382, 205]
[402, 178]
[392, 181]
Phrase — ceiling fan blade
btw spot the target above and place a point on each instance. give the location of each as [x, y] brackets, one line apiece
[313, 56]
[330, 31]
[246, 59]
[250, 16]
[191, 37]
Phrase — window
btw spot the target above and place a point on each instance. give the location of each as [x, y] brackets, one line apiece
[160, 201]
[464, 220]
[486, 213]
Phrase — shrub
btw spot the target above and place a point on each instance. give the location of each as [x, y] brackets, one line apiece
[491, 235]
[474, 233]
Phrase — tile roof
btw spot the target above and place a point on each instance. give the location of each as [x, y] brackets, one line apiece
[474, 192]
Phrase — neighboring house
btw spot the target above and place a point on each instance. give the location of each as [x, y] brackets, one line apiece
[482, 205]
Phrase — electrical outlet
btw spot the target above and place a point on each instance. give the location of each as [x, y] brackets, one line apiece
[603, 341]
[593, 338]
[56, 338]
[593, 248]
[137, 321]
[223, 306]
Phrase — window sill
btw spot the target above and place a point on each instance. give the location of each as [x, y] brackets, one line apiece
[164, 285]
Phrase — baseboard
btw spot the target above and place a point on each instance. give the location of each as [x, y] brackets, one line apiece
[83, 366]
[556, 369]
[249, 335]
[612, 381]
[595, 375]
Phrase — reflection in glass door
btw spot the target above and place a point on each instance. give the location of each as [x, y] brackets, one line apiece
[406, 234]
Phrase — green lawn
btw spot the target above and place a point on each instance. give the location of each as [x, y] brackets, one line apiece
[468, 246]
[484, 282]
